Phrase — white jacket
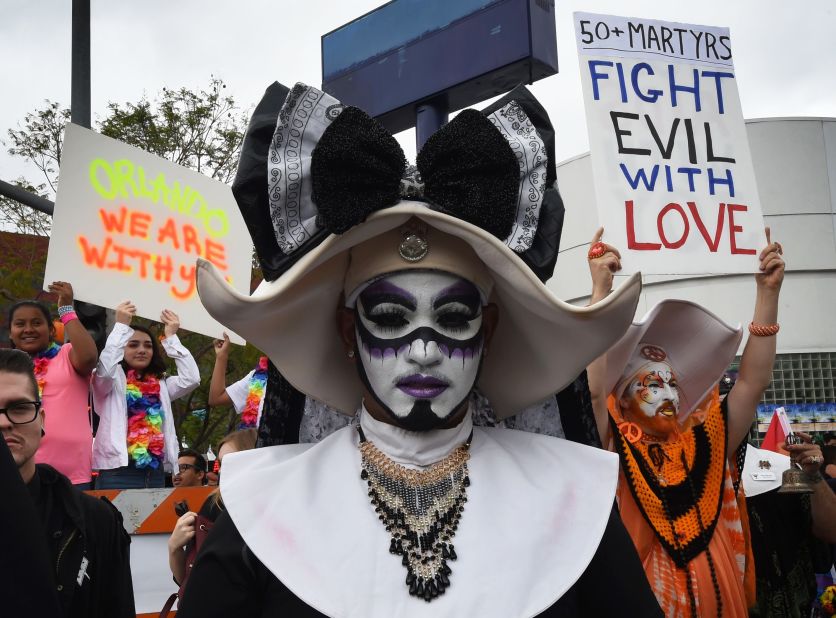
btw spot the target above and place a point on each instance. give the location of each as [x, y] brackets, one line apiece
[110, 448]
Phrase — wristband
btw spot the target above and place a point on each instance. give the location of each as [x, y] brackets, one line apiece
[764, 330]
[65, 309]
[68, 317]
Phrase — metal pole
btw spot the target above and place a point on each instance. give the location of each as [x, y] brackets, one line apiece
[24, 197]
[80, 81]
[430, 116]
[92, 316]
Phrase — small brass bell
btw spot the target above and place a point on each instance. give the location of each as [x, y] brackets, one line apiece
[793, 480]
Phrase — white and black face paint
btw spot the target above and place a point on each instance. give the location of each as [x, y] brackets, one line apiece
[420, 340]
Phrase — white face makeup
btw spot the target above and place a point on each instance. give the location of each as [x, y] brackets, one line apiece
[651, 399]
[419, 338]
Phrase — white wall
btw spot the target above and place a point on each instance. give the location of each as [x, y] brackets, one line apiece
[795, 166]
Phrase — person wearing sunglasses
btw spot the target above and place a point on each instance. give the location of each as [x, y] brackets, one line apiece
[85, 538]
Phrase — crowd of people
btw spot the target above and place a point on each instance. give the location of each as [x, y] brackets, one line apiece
[469, 444]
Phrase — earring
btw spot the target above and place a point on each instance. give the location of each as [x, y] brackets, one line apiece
[351, 354]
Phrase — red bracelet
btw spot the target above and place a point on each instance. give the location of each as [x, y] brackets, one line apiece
[68, 317]
[764, 330]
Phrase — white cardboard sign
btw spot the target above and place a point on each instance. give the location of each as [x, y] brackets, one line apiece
[673, 175]
[130, 225]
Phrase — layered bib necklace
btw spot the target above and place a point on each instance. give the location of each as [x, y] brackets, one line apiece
[421, 510]
[41, 361]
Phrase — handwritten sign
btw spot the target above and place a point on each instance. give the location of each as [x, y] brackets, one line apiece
[674, 182]
[130, 225]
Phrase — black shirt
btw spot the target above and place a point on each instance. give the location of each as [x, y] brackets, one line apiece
[88, 546]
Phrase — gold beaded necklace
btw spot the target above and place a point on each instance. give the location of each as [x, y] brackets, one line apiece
[421, 510]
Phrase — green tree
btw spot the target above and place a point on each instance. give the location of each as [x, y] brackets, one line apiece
[40, 141]
[202, 130]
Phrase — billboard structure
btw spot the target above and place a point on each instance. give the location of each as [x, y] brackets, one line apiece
[407, 52]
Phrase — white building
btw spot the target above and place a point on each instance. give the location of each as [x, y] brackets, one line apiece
[795, 167]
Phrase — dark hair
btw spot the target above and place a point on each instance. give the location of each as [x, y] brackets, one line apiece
[830, 435]
[157, 365]
[30, 303]
[199, 460]
[15, 361]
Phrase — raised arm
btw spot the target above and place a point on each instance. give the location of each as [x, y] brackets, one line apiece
[188, 374]
[604, 262]
[217, 386]
[114, 350]
[84, 354]
[759, 354]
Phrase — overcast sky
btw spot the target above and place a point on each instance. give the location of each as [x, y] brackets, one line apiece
[785, 53]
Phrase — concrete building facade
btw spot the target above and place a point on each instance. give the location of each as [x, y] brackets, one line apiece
[795, 166]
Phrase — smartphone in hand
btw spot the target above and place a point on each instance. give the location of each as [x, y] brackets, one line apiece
[181, 508]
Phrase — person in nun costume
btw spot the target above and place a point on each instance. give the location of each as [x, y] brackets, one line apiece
[390, 293]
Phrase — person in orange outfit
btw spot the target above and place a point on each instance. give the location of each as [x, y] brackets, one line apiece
[675, 493]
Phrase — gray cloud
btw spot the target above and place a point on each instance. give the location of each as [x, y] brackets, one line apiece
[784, 53]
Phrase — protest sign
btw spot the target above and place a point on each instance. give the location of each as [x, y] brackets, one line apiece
[673, 175]
[130, 226]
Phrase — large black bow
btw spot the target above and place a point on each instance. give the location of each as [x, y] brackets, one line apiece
[474, 168]
[467, 169]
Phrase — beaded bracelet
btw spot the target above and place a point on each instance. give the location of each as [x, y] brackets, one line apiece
[764, 330]
[68, 317]
[64, 309]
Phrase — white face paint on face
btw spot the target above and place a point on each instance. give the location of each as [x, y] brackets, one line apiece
[651, 399]
[420, 341]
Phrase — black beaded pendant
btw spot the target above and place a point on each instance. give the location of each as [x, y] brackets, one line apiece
[421, 510]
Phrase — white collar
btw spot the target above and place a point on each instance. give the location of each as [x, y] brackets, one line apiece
[536, 511]
[414, 448]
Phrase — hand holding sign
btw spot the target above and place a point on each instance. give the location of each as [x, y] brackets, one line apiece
[171, 322]
[125, 311]
[222, 347]
[602, 267]
[64, 291]
[771, 274]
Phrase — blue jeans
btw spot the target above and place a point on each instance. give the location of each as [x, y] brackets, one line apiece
[131, 477]
[83, 486]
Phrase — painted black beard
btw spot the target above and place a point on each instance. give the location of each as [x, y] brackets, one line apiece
[421, 417]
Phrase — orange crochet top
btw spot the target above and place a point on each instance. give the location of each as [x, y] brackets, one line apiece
[653, 483]
[678, 484]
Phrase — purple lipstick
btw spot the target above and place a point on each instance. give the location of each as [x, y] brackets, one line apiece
[422, 387]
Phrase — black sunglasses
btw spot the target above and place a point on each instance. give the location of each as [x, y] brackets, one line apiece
[184, 467]
[22, 412]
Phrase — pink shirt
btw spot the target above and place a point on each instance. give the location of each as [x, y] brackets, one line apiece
[68, 443]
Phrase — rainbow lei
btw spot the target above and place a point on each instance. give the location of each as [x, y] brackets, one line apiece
[827, 600]
[41, 361]
[145, 420]
[257, 386]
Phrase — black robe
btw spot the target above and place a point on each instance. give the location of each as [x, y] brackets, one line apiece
[228, 580]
